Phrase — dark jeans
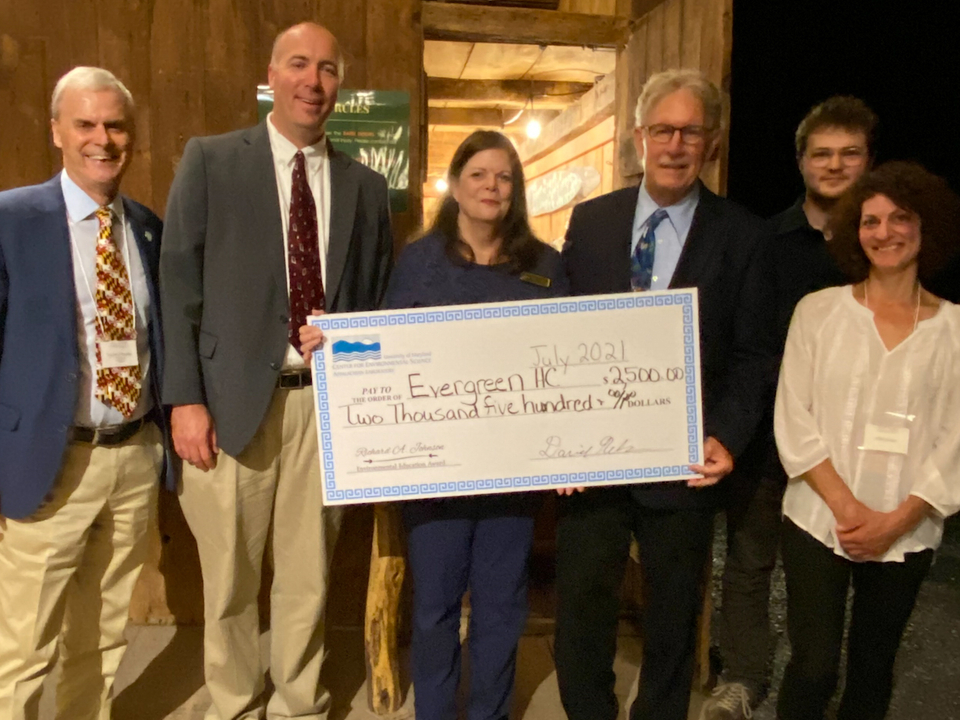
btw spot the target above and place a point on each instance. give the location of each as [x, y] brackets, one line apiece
[883, 597]
[753, 497]
[490, 555]
[592, 549]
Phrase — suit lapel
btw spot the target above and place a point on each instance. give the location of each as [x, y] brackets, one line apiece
[621, 226]
[701, 248]
[344, 190]
[264, 202]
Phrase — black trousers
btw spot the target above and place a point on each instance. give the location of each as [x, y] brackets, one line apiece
[753, 497]
[592, 550]
[884, 594]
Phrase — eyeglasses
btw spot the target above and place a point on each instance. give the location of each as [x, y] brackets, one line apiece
[852, 155]
[689, 134]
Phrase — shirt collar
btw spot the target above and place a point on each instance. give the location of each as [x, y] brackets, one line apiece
[81, 206]
[284, 150]
[680, 214]
[794, 219]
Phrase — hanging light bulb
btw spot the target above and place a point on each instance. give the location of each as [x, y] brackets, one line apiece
[533, 129]
[441, 185]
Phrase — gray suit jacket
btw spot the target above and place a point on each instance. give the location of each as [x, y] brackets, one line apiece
[223, 274]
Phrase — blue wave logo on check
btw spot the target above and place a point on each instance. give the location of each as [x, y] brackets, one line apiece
[356, 348]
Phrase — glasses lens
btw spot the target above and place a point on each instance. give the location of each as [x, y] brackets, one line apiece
[661, 133]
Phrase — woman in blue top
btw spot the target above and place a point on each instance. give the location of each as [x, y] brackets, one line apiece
[480, 249]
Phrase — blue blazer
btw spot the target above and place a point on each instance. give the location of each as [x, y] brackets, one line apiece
[39, 357]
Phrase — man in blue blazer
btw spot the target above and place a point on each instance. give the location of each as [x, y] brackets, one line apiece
[671, 232]
[81, 443]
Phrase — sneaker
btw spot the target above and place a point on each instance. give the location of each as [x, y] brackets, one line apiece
[730, 701]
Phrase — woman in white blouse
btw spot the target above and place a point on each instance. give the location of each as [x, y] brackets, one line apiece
[867, 425]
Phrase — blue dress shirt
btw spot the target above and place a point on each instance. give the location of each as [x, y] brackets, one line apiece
[84, 228]
[671, 234]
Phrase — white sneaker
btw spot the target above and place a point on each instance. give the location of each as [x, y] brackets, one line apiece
[730, 701]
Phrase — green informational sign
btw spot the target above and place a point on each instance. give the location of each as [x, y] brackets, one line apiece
[371, 126]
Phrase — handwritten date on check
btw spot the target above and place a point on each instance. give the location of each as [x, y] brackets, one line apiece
[509, 397]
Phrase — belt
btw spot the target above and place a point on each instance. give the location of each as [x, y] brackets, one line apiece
[293, 379]
[106, 436]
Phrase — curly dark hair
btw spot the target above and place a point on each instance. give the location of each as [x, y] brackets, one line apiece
[520, 249]
[910, 187]
[840, 111]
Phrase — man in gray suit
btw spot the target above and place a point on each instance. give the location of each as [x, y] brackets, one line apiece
[264, 225]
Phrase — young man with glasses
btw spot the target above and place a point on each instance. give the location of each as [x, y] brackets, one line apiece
[834, 148]
[671, 232]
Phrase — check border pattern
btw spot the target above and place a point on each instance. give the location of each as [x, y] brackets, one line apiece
[330, 323]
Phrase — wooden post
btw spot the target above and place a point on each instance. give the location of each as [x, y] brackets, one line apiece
[385, 692]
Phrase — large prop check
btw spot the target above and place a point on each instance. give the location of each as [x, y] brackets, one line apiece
[505, 397]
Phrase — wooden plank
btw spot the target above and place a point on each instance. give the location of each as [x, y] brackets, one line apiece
[24, 124]
[232, 66]
[445, 59]
[594, 7]
[574, 63]
[515, 92]
[385, 691]
[448, 21]
[636, 8]
[499, 61]
[589, 111]
[537, 4]
[672, 33]
[690, 41]
[631, 72]
[473, 117]
[571, 152]
[654, 51]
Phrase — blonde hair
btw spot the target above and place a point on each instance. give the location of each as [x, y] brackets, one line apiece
[89, 78]
[661, 84]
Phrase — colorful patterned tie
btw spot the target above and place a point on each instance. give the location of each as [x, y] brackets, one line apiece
[641, 265]
[117, 387]
[303, 243]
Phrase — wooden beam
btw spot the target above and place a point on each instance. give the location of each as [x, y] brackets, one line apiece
[588, 112]
[469, 23]
[473, 117]
[540, 4]
[506, 92]
[636, 8]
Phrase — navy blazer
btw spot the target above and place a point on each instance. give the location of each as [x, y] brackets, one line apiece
[725, 258]
[39, 356]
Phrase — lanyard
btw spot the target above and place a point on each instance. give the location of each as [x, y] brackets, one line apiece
[125, 254]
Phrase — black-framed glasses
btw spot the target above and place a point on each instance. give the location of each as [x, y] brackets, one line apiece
[850, 155]
[689, 134]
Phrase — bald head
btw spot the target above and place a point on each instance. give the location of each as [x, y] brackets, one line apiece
[304, 74]
[295, 34]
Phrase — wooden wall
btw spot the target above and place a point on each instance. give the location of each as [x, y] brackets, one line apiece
[595, 149]
[675, 33]
[193, 67]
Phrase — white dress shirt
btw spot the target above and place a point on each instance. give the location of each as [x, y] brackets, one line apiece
[671, 233]
[84, 229]
[837, 380]
[318, 178]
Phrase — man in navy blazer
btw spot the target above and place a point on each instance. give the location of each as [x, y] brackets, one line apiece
[671, 232]
[81, 444]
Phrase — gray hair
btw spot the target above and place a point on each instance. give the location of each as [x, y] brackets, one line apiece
[89, 78]
[661, 84]
[341, 63]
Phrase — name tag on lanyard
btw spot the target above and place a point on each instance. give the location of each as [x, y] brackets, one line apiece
[118, 353]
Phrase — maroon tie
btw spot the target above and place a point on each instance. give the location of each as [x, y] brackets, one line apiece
[306, 281]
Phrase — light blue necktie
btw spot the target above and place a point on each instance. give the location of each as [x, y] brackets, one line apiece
[641, 265]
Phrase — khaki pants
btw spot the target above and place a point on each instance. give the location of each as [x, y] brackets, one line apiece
[68, 572]
[268, 499]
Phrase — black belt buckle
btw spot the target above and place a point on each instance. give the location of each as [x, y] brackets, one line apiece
[294, 379]
[106, 436]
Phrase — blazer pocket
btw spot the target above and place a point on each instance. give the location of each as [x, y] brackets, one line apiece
[206, 344]
[9, 418]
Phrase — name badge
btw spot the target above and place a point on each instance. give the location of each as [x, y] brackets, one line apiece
[886, 439]
[118, 353]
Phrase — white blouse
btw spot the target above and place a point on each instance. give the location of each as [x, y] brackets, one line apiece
[837, 379]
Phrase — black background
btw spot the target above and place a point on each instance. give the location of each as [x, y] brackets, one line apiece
[902, 58]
